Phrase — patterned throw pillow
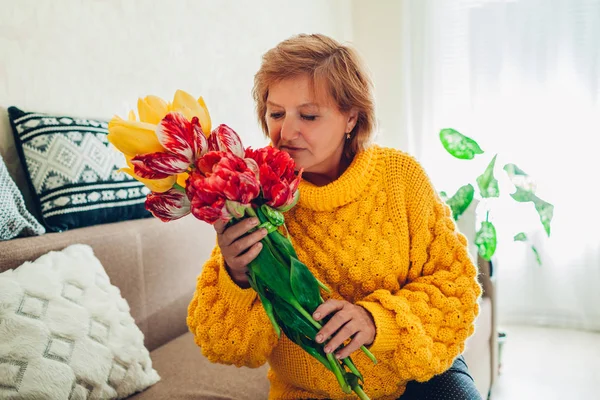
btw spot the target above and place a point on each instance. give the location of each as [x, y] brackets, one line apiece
[15, 220]
[66, 332]
[73, 172]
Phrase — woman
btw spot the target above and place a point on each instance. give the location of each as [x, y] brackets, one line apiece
[368, 224]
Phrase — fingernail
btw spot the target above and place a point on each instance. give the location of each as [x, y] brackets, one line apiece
[319, 338]
[327, 350]
[253, 221]
[317, 315]
[259, 245]
[264, 231]
[338, 356]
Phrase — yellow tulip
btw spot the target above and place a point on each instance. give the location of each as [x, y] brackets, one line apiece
[133, 137]
[152, 109]
[181, 178]
[190, 107]
[155, 185]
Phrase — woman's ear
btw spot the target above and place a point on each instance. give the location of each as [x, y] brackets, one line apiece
[352, 119]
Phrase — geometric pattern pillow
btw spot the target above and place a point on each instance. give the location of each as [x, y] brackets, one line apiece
[15, 220]
[72, 171]
[66, 332]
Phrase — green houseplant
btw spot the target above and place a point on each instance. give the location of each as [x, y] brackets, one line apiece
[465, 148]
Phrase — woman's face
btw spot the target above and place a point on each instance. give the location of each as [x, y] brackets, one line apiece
[312, 130]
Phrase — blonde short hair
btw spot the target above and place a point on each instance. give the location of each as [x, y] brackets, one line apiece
[324, 60]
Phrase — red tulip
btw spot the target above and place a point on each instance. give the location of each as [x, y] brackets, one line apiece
[220, 177]
[168, 206]
[278, 179]
[184, 143]
[223, 138]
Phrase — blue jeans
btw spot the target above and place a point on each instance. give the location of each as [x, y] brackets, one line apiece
[454, 384]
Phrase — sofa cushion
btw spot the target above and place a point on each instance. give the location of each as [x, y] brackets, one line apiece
[67, 332]
[15, 220]
[478, 351]
[155, 264]
[73, 172]
[187, 374]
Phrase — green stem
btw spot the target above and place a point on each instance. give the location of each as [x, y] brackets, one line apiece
[361, 394]
[339, 374]
[309, 317]
[353, 369]
[178, 187]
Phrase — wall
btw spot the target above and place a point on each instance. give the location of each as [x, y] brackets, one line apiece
[94, 58]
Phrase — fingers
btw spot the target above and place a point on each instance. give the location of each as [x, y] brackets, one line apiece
[359, 340]
[340, 318]
[247, 257]
[327, 308]
[343, 334]
[220, 226]
[349, 321]
[232, 233]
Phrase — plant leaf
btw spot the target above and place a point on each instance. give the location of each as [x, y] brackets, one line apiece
[486, 241]
[459, 145]
[267, 305]
[522, 195]
[461, 200]
[488, 184]
[309, 346]
[304, 285]
[545, 211]
[520, 237]
[519, 178]
[443, 195]
[537, 255]
[292, 319]
[274, 275]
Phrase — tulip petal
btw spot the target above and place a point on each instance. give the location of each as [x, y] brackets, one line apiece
[155, 185]
[175, 134]
[190, 107]
[205, 121]
[168, 206]
[158, 165]
[223, 138]
[200, 144]
[182, 179]
[152, 109]
[131, 116]
[132, 137]
[253, 166]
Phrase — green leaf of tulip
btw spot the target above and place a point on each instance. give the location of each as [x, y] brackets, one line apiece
[459, 145]
[304, 285]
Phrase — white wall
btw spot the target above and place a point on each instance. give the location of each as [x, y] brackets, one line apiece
[95, 58]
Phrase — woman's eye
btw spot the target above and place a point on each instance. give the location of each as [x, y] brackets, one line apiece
[276, 115]
[309, 117]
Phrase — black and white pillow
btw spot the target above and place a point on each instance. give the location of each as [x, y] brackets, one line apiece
[73, 171]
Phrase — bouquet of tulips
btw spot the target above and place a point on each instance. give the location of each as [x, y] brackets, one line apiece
[190, 169]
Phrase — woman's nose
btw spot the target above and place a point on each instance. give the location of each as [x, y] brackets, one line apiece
[289, 132]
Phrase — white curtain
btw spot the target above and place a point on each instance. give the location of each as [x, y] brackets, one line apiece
[522, 78]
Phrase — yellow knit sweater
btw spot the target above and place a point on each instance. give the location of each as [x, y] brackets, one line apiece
[380, 237]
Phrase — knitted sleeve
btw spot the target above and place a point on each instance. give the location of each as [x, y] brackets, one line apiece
[423, 326]
[228, 322]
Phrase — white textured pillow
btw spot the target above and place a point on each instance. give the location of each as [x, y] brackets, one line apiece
[66, 332]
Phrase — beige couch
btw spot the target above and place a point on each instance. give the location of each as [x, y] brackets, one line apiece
[156, 265]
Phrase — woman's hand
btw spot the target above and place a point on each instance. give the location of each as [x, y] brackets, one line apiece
[349, 321]
[239, 250]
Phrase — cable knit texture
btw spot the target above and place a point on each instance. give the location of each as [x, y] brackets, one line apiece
[380, 237]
